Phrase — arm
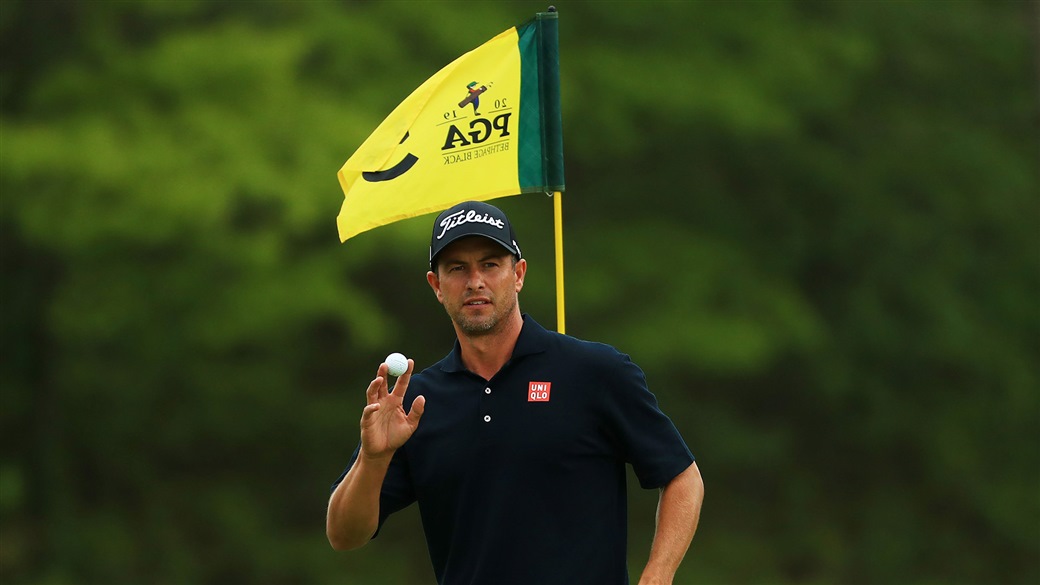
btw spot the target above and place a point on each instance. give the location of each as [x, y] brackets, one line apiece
[678, 511]
[353, 513]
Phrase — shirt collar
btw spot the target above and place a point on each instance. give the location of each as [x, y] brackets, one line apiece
[530, 341]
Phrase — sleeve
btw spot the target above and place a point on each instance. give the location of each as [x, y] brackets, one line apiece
[396, 494]
[645, 437]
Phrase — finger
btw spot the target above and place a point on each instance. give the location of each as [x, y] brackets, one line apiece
[368, 412]
[368, 416]
[382, 375]
[372, 393]
[418, 407]
[402, 381]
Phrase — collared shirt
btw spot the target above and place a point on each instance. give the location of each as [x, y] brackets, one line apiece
[521, 478]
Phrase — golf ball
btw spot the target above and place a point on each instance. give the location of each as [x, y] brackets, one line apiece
[398, 364]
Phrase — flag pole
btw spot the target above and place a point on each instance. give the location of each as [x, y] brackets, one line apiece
[558, 216]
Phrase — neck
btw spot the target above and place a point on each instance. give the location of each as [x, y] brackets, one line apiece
[485, 354]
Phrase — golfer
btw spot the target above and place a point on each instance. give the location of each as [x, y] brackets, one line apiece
[515, 444]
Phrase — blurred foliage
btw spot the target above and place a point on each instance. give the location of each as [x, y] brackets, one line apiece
[816, 225]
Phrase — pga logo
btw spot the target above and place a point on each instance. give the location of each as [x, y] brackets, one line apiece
[538, 391]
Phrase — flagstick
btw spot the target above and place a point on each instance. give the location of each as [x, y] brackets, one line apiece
[558, 215]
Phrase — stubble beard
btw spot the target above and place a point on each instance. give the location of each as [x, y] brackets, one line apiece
[480, 326]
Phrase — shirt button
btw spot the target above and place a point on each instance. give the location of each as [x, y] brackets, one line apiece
[487, 390]
[487, 418]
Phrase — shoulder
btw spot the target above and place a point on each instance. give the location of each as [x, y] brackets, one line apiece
[432, 375]
[590, 353]
[430, 380]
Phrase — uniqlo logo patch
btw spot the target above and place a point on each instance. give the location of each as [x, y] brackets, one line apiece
[538, 391]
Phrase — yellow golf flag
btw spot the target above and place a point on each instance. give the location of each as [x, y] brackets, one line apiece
[485, 126]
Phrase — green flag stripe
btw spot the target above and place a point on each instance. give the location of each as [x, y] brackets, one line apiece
[529, 151]
[549, 80]
[540, 151]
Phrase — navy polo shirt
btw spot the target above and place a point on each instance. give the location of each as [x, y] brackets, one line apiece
[521, 478]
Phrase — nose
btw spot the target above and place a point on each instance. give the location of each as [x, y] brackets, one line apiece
[475, 281]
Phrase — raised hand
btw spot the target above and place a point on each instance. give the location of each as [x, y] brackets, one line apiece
[384, 424]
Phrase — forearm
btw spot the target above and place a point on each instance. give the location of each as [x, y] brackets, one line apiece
[353, 513]
[677, 515]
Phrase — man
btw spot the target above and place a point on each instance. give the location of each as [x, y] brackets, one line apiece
[518, 464]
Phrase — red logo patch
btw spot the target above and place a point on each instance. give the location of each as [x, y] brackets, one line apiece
[538, 391]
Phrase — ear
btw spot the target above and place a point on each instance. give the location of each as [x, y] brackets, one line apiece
[521, 271]
[435, 284]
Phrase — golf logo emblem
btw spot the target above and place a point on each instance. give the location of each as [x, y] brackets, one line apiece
[485, 134]
[538, 391]
[473, 97]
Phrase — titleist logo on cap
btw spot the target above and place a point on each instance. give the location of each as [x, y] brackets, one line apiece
[460, 217]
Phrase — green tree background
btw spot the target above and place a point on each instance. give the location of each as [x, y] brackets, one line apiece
[816, 225]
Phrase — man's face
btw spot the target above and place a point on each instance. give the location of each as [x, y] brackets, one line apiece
[477, 281]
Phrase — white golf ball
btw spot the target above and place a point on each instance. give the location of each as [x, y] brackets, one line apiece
[398, 364]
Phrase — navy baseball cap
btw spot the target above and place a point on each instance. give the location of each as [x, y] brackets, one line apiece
[472, 218]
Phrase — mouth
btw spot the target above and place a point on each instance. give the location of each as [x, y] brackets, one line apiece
[478, 302]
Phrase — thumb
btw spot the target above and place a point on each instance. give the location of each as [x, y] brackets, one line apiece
[418, 406]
